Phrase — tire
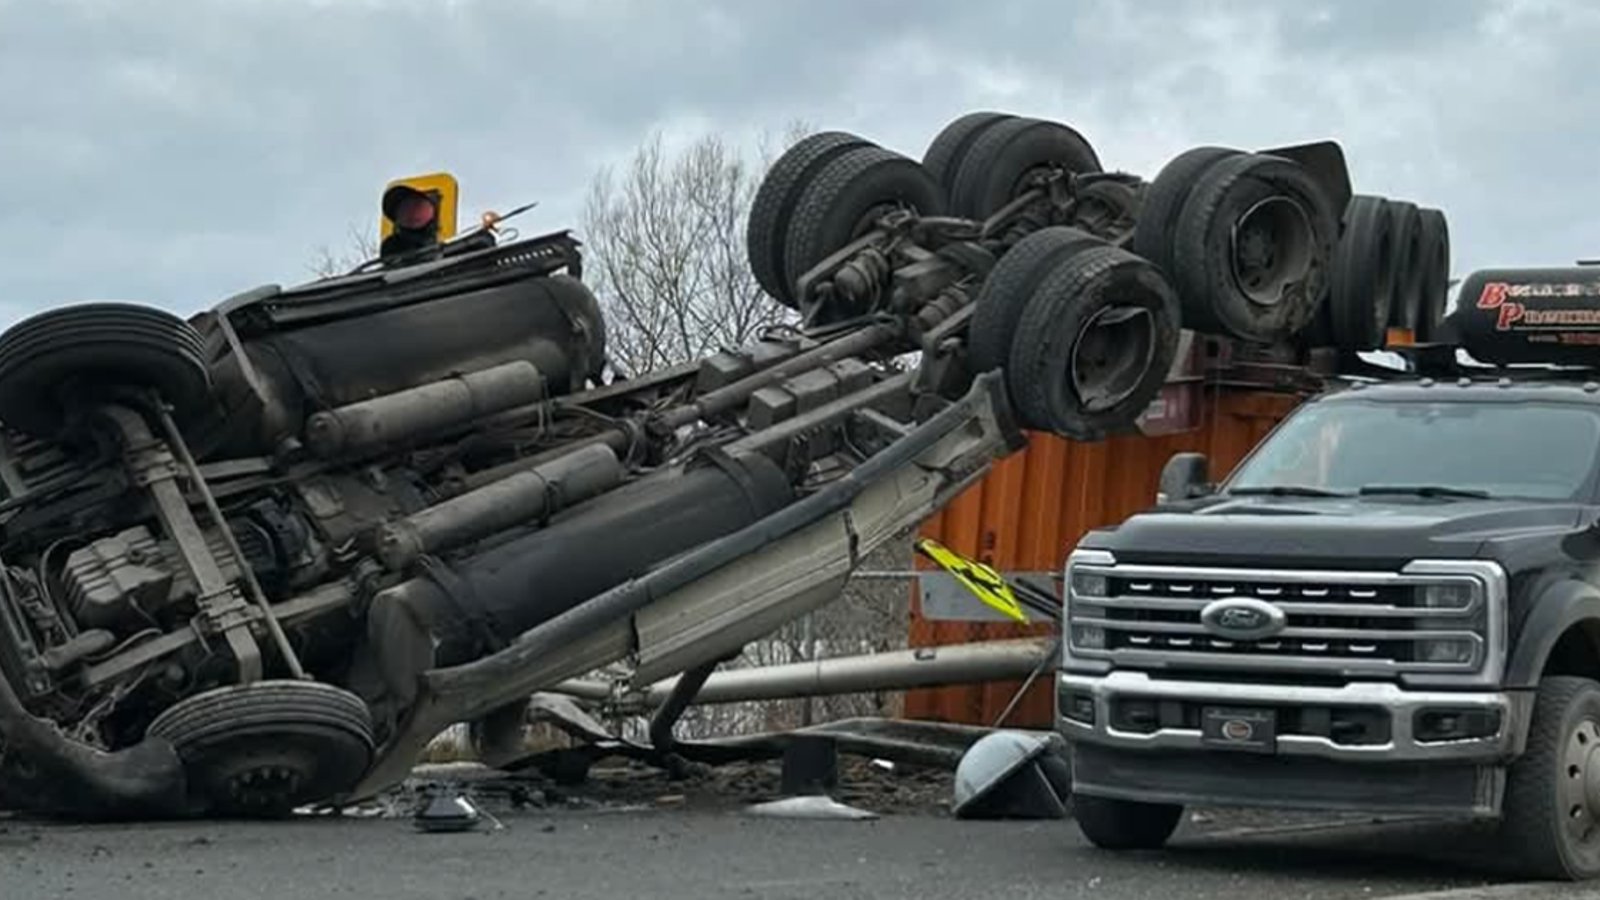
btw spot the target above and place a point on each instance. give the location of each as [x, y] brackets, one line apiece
[993, 169]
[1163, 201]
[96, 347]
[774, 203]
[1074, 369]
[943, 157]
[1254, 210]
[841, 203]
[1405, 231]
[1435, 244]
[1125, 824]
[1364, 277]
[1009, 287]
[1537, 826]
[260, 750]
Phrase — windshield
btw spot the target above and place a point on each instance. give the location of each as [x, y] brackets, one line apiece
[1525, 450]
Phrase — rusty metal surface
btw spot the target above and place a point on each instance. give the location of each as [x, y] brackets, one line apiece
[1034, 506]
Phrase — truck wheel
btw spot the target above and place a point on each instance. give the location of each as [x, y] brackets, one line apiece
[1435, 244]
[775, 200]
[259, 750]
[1405, 231]
[995, 170]
[1551, 814]
[1094, 345]
[96, 346]
[1125, 824]
[1252, 249]
[845, 200]
[1009, 287]
[943, 156]
[1364, 277]
[1158, 217]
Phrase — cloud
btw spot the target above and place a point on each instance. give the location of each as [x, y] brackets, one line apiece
[177, 153]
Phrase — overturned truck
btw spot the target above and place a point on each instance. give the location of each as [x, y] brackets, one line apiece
[258, 558]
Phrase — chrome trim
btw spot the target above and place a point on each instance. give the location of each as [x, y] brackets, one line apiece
[1485, 668]
[1514, 708]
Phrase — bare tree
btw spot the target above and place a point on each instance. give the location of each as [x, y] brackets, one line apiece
[665, 235]
[361, 246]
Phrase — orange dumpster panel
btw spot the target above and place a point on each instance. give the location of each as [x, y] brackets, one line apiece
[1031, 509]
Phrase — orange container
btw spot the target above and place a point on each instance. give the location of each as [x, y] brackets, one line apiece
[1032, 508]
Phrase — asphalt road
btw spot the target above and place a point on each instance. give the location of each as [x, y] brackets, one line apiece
[697, 854]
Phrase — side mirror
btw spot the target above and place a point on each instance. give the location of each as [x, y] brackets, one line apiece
[1184, 477]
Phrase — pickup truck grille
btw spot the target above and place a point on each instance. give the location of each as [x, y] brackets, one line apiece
[1340, 623]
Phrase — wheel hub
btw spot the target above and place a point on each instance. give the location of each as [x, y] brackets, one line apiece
[1112, 355]
[1580, 782]
[268, 785]
[1272, 250]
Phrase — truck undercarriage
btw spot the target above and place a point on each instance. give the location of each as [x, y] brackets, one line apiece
[259, 558]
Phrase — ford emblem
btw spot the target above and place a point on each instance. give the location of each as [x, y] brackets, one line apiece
[1243, 619]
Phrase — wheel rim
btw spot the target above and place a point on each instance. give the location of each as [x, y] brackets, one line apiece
[1580, 784]
[1272, 249]
[1112, 355]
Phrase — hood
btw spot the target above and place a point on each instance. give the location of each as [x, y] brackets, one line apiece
[1333, 532]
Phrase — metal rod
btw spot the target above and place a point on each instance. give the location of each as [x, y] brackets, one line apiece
[1055, 650]
[725, 398]
[896, 670]
[268, 617]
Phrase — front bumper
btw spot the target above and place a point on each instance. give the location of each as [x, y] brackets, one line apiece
[1398, 707]
[1387, 769]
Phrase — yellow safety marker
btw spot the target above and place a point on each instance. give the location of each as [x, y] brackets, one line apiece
[984, 582]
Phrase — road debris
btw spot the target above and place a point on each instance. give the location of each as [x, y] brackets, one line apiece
[1013, 775]
[447, 812]
[811, 807]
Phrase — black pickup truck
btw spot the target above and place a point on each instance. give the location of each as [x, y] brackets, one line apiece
[1391, 606]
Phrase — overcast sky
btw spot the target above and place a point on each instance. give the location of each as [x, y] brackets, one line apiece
[176, 151]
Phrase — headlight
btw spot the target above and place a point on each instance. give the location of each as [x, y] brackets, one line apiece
[1450, 597]
[1083, 589]
[1088, 637]
[1089, 584]
[1453, 596]
[1449, 652]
